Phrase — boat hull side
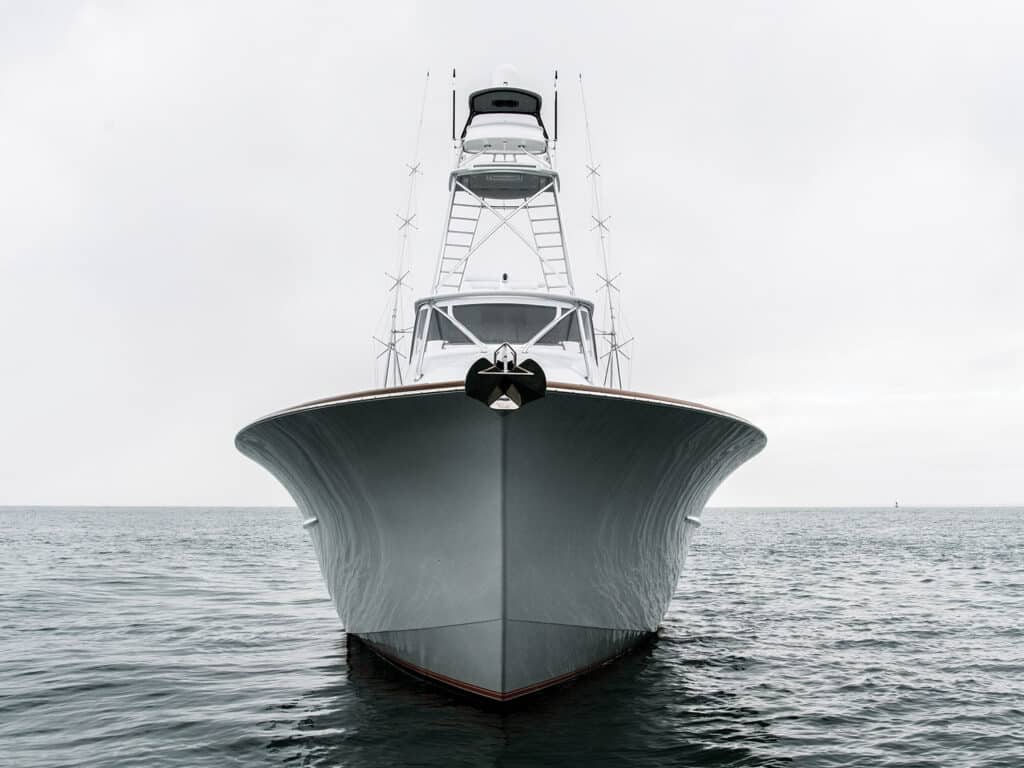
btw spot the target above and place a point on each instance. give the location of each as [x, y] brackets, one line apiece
[406, 494]
[598, 492]
[500, 552]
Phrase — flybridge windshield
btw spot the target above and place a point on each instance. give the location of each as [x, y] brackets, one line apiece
[498, 323]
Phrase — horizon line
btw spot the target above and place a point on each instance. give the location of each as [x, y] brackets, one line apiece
[718, 506]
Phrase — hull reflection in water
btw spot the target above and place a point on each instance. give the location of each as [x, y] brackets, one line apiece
[500, 553]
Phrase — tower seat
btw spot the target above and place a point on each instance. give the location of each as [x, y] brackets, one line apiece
[504, 133]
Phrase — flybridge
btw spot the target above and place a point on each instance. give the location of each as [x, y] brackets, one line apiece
[504, 167]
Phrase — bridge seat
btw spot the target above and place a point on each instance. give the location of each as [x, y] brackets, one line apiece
[504, 133]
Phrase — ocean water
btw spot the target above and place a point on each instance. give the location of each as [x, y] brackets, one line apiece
[820, 637]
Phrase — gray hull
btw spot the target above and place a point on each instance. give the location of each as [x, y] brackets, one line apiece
[500, 552]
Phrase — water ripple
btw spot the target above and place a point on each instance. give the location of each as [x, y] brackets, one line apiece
[194, 637]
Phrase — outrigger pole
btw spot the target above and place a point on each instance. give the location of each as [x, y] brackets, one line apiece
[393, 357]
[612, 375]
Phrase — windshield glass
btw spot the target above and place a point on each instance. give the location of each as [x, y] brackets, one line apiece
[497, 323]
[442, 329]
[565, 330]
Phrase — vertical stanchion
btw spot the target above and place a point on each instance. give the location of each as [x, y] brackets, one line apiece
[556, 107]
[453, 107]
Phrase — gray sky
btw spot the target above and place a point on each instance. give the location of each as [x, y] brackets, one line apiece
[817, 208]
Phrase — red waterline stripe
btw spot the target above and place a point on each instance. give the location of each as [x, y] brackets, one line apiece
[487, 692]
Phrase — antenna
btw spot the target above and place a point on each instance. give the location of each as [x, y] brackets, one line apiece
[393, 357]
[556, 106]
[453, 106]
[612, 376]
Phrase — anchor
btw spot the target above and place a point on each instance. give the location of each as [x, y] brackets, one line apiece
[505, 384]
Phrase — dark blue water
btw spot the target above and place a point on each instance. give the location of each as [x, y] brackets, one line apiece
[194, 637]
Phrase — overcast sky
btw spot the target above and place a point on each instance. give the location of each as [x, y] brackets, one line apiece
[817, 208]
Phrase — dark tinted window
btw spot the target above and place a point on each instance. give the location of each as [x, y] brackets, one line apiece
[497, 323]
[566, 330]
[442, 329]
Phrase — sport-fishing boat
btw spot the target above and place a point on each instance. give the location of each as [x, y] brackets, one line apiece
[501, 517]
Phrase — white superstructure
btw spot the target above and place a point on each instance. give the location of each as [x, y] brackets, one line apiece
[504, 183]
